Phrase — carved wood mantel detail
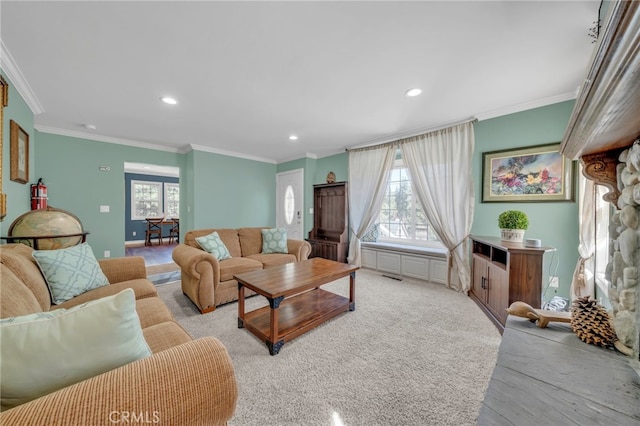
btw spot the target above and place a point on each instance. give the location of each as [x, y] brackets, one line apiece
[601, 168]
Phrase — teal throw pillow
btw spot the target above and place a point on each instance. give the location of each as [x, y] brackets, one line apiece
[47, 351]
[213, 244]
[70, 272]
[274, 241]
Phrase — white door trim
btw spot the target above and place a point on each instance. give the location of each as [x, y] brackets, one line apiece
[296, 229]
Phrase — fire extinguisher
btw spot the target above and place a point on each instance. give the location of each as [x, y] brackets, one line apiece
[38, 195]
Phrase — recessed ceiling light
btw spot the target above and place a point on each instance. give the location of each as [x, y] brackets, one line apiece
[413, 92]
[293, 138]
[90, 126]
[168, 100]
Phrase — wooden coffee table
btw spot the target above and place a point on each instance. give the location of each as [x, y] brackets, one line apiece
[297, 304]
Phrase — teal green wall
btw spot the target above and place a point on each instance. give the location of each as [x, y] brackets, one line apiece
[338, 164]
[69, 167]
[315, 172]
[230, 192]
[555, 223]
[222, 191]
[17, 193]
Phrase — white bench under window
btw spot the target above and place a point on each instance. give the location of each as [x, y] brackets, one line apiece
[425, 263]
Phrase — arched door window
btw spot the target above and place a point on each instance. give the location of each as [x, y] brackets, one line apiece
[289, 204]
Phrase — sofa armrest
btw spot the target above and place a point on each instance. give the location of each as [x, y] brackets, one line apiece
[188, 258]
[119, 269]
[189, 384]
[301, 249]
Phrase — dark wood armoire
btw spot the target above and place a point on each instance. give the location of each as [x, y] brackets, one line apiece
[329, 237]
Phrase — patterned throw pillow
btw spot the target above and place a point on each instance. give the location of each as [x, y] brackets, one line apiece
[274, 241]
[70, 272]
[39, 352]
[372, 234]
[213, 244]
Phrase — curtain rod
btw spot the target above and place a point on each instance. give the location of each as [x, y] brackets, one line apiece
[410, 135]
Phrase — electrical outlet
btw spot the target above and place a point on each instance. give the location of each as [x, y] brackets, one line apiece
[553, 282]
[107, 253]
[134, 233]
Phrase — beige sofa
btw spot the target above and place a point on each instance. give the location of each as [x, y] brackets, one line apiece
[209, 282]
[184, 381]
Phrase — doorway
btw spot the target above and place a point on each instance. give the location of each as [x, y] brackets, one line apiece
[290, 203]
[151, 190]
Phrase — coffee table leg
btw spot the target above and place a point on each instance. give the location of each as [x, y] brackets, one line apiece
[273, 344]
[240, 306]
[352, 291]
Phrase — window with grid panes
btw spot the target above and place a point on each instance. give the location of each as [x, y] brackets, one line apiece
[401, 219]
[146, 199]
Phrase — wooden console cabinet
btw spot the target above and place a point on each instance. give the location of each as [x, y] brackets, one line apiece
[503, 273]
[329, 237]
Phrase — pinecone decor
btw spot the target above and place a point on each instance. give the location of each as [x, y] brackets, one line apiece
[591, 323]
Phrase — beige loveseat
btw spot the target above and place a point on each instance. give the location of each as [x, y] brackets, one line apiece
[183, 382]
[209, 282]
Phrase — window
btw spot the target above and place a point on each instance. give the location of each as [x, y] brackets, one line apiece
[172, 199]
[601, 255]
[289, 204]
[149, 200]
[401, 219]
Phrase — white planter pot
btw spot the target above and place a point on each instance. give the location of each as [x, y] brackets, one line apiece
[512, 235]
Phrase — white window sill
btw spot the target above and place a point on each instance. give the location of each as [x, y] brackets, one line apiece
[410, 249]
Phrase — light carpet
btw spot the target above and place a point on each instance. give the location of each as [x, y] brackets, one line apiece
[412, 353]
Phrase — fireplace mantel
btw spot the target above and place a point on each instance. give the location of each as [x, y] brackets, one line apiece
[604, 133]
[606, 113]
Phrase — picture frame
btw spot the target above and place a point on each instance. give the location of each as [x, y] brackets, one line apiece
[19, 154]
[533, 174]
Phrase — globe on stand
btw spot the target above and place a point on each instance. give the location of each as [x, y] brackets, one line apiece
[47, 223]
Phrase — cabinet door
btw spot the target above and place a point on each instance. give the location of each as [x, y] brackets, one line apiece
[389, 262]
[438, 271]
[498, 292]
[478, 283]
[414, 267]
[368, 259]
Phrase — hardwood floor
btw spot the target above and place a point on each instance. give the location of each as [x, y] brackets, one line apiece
[153, 255]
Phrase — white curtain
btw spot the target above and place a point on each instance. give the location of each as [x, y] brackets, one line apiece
[440, 165]
[368, 179]
[583, 276]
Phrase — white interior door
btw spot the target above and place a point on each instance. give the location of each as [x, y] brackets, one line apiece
[290, 203]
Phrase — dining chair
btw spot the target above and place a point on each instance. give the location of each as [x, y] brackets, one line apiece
[174, 231]
[154, 230]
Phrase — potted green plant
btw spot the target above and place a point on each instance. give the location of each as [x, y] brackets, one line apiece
[512, 224]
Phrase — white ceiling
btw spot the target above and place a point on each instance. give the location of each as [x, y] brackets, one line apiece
[249, 74]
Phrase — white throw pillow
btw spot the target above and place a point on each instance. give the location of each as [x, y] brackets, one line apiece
[213, 244]
[44, 352]
[70, 272]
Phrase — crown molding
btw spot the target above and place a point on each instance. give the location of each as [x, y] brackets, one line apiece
[212, 150]
[102, 138]
[18, 80]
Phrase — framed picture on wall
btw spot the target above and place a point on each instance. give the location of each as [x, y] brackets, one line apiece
[19, 154]
[536, 173]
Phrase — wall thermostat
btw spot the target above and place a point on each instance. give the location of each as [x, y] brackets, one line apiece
[532, 242]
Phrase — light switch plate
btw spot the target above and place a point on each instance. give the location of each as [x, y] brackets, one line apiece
[104, 209]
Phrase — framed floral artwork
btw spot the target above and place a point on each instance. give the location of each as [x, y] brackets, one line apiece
[536, 173]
